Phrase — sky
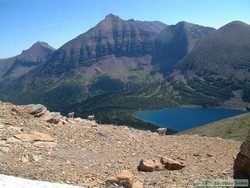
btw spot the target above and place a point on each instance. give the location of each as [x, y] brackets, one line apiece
[24, 22]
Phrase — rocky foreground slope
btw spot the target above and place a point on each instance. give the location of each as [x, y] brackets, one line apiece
[40, 145]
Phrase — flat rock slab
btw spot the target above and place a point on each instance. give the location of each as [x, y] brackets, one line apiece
[35, 136]
[11, 181]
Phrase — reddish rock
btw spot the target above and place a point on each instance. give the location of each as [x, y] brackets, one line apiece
[245, 148]
[242, 164]
[149, 165]
[242, 161]
[171, 164]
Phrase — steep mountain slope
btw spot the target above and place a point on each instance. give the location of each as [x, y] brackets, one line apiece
[113, 55]
[112, 36]
[218, 68]
[176, 41]
[5, 64]
[224, 52]
[19, 65]
[119, 67]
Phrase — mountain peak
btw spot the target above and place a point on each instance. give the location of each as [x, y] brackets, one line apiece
[43, 44]
[112, 16]
[237, 22]
[235, 26]
[39, 50]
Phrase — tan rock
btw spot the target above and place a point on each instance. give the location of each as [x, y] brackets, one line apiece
[16, 128]
[3, 142]
[137, 185]
[13, 140]
[30, 157]
[5, 149]
[35, 136]
[125, 178]
[37, 110]
[55, 118]
[15, 111]
[16, 159]
[64, 122]
[25, 158]
[36, 157]
[171, 164]
[148, 165]
[41, 144]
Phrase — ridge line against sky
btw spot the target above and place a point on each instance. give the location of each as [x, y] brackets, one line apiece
[24, 22]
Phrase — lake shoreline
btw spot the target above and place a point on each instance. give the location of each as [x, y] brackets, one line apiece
[175, 119]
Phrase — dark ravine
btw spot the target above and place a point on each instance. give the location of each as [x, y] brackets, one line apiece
[175, 42]
[120, 66]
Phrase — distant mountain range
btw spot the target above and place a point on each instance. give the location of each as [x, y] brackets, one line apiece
[120, 66]
[21, 64]
[175, 42]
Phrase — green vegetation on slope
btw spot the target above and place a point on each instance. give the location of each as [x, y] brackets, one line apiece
[235, 128]
[117, 107]
[196, 91]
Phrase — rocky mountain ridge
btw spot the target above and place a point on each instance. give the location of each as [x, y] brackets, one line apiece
[221, 54]
[41, 145]
[120, 66]
[175, 42]
[111, 36]
[15, 67]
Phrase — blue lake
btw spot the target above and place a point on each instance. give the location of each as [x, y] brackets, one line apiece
[180, 119]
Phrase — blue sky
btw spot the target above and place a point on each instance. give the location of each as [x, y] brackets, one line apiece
[24, 22]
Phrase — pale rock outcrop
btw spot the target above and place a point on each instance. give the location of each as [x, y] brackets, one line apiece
[30, 157]
[41, 144]
[37, 110]
[71, 115]
[35, 136]
[55, 117]
[162, 131]
[91, 117]
[137, 185]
